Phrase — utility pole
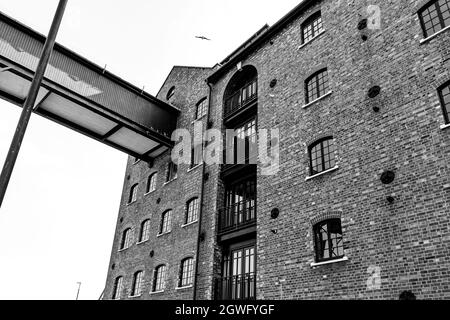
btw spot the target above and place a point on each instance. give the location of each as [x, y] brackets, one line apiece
[31, 99]
[78, 292]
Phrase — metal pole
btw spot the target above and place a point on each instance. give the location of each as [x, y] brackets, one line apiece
[78, 292]
[30, 101]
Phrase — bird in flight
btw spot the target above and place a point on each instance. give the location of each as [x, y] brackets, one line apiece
[202, 37]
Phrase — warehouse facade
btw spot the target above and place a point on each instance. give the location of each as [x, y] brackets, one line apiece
[358, 207]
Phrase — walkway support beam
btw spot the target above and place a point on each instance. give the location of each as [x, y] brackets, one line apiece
[31, 99]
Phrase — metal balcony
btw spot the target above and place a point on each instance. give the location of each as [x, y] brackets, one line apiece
[239, 287]
[237, 216]
[241, 98]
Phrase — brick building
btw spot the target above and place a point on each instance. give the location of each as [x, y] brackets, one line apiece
[359, 208]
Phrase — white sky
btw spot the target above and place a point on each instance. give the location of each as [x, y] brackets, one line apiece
[58, 218]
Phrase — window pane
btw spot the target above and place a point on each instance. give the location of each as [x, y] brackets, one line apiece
[312, 28]
[435, 16]
[322, 156]
[317, 86]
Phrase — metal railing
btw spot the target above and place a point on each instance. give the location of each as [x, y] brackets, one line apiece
[241, 98]
[240, 287]
[236, 216]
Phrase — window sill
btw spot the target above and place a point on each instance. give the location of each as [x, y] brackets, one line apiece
[189, 224]
[322, 173]
[193, 168]
[184, 288]
[199, 119]
[163, 234]
[317, 264]
[137, 296]
[148, 193]
[142, 242]
[309, 41]
[167, 182]
[445, 126]
[434, 35]
[317, 100]
[157, 292]
[124, 249]
[130, 203]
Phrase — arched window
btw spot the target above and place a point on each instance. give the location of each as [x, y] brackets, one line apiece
[166, 222]
[186, 272]
[312, 27]
[137, 284]
[126, 239]
[444, 94]
[201, 108]
[192, 209]
[133, 193]
[159, 279]
[170, 93]
[145, 231]
[151, 182]
[316, 86]
[328, 240]
[241, 91]
[117, 290]
[322, 155]
[435, 16]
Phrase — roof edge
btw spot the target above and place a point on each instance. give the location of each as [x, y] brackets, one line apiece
[280, 24]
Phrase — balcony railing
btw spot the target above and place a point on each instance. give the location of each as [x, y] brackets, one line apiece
[241, 98]
[240, 287]
[237, 216]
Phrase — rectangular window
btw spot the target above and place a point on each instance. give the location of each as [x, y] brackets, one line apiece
[435, 16]
[444, 93]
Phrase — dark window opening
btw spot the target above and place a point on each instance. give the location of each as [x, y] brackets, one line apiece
[328, 240]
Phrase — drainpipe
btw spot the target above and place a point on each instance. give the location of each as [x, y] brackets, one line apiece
[202, 191]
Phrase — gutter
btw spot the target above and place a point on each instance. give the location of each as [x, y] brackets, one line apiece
[202, 194]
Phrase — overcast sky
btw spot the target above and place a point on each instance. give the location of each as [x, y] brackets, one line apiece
[58, 218]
